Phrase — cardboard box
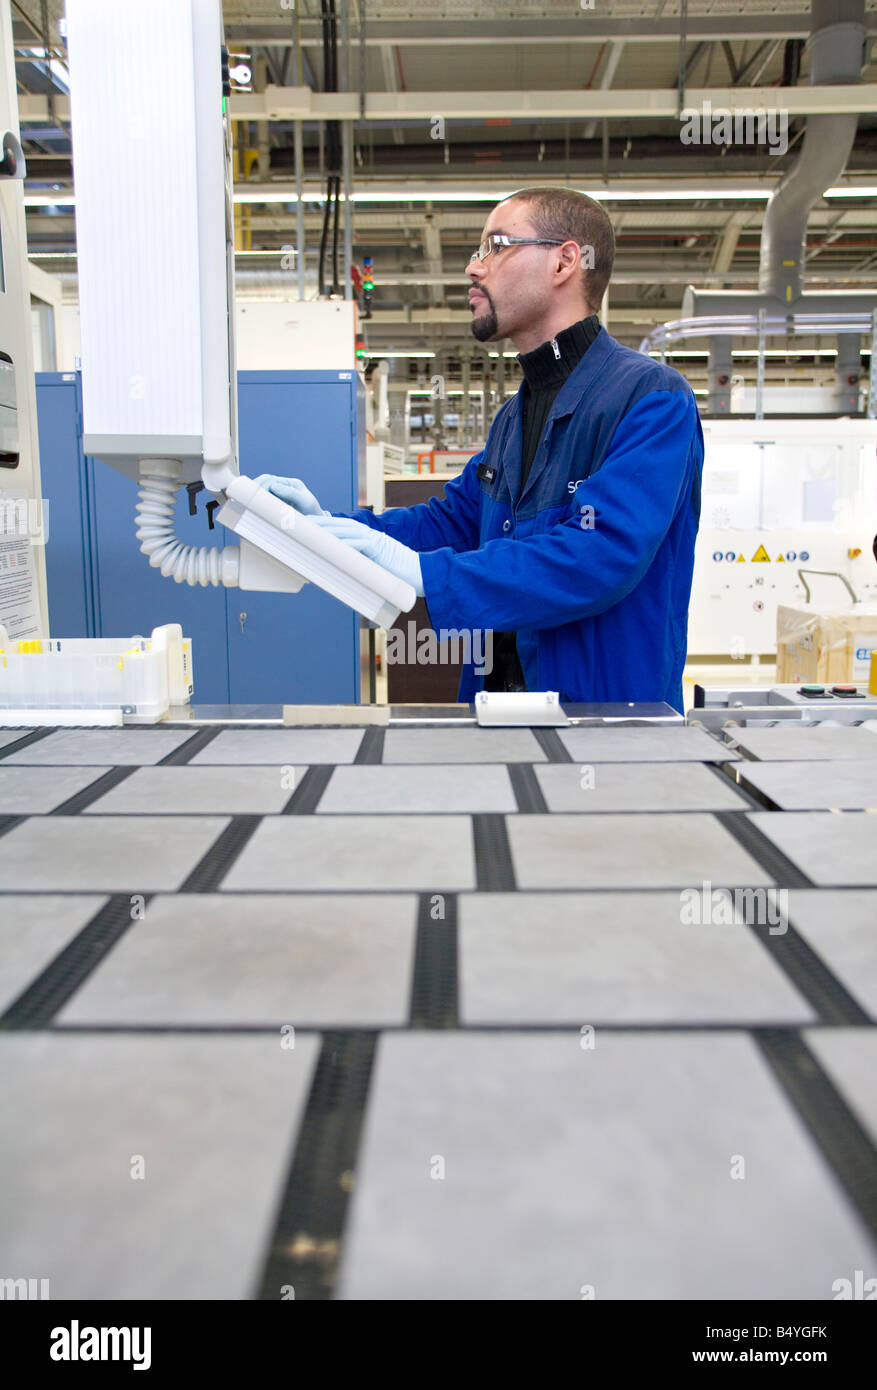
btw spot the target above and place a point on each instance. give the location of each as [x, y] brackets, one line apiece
[827, 646]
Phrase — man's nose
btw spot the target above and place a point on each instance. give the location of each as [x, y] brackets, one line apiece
[476, 270]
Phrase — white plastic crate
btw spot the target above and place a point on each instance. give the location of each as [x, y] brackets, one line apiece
[108, 680]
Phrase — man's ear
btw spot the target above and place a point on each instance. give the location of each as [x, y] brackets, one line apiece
[566, 262]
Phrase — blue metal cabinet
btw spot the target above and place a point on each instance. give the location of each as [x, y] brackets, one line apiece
[298, 648]
[293, 648]
[65, 486]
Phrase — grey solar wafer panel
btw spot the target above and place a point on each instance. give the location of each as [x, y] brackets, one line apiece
[105, 853]
[467, 745]
[814, 786]
[622, 786]
[830, 849]
[635, 743]
[419, 789]
[630, 958]
[675, 850]
[792, 742]
[233, 960]
[332, 853]
[37, 790]
[504, 1166]
[212, 1120]
[200, 791]
[92, 747]
[281, 747]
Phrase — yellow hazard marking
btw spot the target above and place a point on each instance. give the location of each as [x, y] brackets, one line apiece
[761, 554]
[741, 559]
[780, 558]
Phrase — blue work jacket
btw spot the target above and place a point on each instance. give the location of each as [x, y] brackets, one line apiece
[591, 562]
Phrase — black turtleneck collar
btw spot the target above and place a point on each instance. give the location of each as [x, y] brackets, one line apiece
[551, 363]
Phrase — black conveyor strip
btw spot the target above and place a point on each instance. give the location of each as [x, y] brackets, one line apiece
[830, 1000]
[726, 774]
[371, 748]
[493, 855]
[434, 984]
[525, 785]
[209, 872]
[35, 736]
[549, 741]
[304, 1249]
[186, 751]
[8, 823]
[50, 991]
[828, 1117]
[306, 797]
[763, 850]
[94, 791]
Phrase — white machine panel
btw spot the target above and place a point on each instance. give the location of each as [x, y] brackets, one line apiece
[153, 262]
[779, 496]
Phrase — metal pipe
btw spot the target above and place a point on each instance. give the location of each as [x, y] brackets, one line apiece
[837, 54]
[872, 379]
[719, 375]
[759, 380]
[299, 175]
[346, 151]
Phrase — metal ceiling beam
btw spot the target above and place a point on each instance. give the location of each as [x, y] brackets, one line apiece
[391, 82]
[301, 103]
[728, 245]
[459, 227]
[606, 81]
[432, 252]
[689, 275]
[591, 28]
[653, 192]
[730, 60]
[768, 51]
[746, 68]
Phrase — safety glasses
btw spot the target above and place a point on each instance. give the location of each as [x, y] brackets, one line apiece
[499, 240]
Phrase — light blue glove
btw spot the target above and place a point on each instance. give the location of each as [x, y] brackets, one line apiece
[292, 491]
[390, 554]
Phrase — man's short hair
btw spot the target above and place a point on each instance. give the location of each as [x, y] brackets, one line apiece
[564, 214]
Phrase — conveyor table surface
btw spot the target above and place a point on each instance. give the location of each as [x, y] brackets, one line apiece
[434, 1011]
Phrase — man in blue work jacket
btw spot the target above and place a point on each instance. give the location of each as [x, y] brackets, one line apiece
[571, 534]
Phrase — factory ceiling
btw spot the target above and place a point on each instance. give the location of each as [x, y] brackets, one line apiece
[464, 101]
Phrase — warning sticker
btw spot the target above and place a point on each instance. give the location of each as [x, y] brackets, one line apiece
[761, 554]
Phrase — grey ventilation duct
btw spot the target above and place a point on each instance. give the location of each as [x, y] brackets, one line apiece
[837, 55]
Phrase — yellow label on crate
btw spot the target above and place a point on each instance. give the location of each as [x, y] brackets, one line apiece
[761, 554]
